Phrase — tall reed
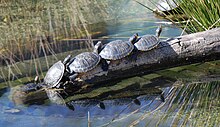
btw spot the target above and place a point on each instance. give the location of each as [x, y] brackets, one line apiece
[30, 29]
[193, 16]
[204, 14]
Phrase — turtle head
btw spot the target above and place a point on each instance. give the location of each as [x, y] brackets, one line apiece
[66, 60]
[67, 65]
[98, 47]
[133, 38]
[159, 30]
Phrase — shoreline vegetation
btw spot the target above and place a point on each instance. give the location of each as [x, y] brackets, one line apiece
[38, 28]
[194, 16]
[33, 29]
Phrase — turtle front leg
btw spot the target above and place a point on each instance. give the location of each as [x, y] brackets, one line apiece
[134, 55]
[70, 74]
[105, 64]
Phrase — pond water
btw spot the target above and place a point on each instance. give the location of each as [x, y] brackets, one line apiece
[187, 103]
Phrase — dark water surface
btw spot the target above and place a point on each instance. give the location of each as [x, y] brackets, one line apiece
[186, 103]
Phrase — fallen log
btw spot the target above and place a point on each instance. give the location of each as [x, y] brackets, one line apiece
[183, 50]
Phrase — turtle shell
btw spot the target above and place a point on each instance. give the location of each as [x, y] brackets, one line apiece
[116, 50]
[54, 74]
[147, 42]
[84, 62]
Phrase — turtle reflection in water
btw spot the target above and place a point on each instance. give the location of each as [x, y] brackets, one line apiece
[103, 103]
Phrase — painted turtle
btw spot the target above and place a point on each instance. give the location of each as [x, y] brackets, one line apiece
[55, 73]
[52, 80]
[85, 62]
[117, 49]
[148, 42]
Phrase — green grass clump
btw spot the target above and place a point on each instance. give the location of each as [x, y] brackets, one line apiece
[203, 14]
[193, 16]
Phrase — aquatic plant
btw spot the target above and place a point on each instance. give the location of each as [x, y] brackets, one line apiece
[187, 104]
[30, 26]
[32, 29]
[203, 14]
[193, 16]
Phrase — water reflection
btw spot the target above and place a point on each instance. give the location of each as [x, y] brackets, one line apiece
[186, 104]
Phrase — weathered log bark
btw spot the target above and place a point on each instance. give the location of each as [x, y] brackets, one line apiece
[187, 49]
